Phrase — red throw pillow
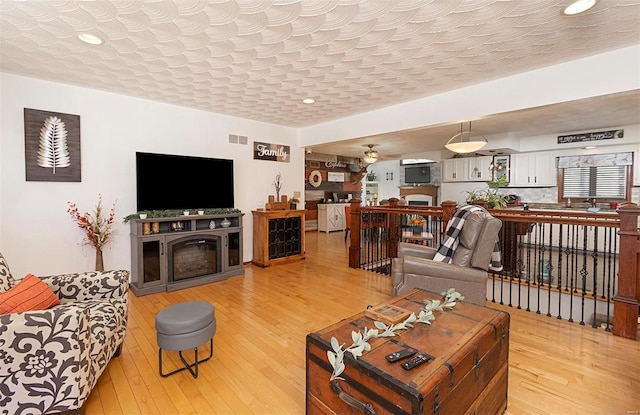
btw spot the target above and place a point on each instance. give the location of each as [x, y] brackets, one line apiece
[31, 293]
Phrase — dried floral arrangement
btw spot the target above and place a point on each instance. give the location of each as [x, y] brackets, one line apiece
[96, 226]
[361, 339]
[277, 184]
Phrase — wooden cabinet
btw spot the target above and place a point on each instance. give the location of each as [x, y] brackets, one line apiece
[331, 217]
[278, 236]
[533, 170]
[160, 257]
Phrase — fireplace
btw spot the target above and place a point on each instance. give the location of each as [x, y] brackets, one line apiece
[167, 257]
[194, 256]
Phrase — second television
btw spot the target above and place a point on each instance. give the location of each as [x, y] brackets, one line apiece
[417, 175]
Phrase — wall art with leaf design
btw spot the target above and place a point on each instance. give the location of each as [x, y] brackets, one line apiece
[52, 146]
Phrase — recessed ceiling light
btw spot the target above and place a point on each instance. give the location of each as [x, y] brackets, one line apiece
[579, 6]
[589, 147]
[90, 39]
[309, 100]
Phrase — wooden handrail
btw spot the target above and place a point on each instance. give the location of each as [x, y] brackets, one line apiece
[627, 299]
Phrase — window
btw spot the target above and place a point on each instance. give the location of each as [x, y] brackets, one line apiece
[601, 182]
[606, 177]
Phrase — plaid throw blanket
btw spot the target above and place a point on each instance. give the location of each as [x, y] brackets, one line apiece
[450, 242]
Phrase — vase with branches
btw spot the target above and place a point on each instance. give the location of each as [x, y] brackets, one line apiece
[97, 227]
[277, 183]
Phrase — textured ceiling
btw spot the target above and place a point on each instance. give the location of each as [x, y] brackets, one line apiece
[258, 59]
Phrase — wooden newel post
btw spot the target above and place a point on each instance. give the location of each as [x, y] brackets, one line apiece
[394, 229]
[626, 302]
[449, 207]
[354, 246]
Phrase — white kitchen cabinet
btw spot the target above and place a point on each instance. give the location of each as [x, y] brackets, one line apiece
[533, 170]
[331, 217]
[455, 170]
[467, 169]
[479, 168]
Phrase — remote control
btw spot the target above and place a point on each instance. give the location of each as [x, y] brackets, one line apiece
[415, 361]
[401, 354]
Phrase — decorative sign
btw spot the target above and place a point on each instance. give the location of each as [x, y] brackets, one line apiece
[595, 136]
[335, 177]
[272, 152]
[335, 164]
[52, 146]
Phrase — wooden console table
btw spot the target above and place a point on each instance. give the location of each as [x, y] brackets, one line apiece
[278, 236]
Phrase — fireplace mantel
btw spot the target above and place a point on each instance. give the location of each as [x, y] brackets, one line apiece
[421, 190]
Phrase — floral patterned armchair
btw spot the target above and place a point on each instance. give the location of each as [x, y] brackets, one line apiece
[50, 360]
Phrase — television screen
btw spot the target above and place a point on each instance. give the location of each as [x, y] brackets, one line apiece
[421, 174]
[165, 181]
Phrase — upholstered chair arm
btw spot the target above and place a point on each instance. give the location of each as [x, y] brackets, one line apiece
[86, 286]
[44, 360]
[415, 250]
[411, 272]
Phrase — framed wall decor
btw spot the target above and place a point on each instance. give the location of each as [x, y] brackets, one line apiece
[52, 146]
[501, 167]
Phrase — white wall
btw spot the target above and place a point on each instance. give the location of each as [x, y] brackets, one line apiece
[36, 233]
[387, 188]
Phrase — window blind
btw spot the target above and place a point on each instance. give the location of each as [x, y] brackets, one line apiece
[609, 182]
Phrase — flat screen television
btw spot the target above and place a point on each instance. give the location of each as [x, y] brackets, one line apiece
[417, 175]
[165, 181]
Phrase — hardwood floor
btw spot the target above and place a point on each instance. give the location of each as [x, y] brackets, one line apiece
[258, 365]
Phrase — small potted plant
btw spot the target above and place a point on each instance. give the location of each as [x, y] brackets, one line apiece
[417, 224]
[293, 203]
[200, 211]
[142, 214]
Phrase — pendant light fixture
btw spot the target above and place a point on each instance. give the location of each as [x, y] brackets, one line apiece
[579, 6]
[371, 155]
[466, 141]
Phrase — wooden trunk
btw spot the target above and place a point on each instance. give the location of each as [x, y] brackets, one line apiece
[468, 373]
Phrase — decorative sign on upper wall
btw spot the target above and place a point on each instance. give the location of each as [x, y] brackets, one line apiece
[273, 152]
[335, 177]
[595, 136]
[335, 164]
[52, 146]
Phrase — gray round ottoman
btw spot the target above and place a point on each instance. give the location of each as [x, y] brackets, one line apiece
[185, 326]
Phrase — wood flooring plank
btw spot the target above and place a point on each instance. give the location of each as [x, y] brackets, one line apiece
[258, 365]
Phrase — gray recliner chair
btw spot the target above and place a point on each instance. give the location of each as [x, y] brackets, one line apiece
[414, 267]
